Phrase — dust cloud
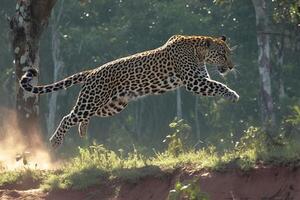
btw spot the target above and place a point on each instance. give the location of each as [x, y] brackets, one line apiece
[15, 150]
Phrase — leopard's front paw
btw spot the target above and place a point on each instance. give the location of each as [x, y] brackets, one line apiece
[56, 141]
[232, 96]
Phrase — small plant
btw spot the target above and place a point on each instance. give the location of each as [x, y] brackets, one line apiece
[176, 139]
[189, 191]
[253, 147]
[253, 138]
[294, 119]
[291, 124]
[250, 148]
[52, 182]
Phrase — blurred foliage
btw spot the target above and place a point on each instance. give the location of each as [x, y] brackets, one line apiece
[286, 10]
[291, 123]
[294, 119]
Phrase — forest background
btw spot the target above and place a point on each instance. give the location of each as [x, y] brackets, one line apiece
[85, 34]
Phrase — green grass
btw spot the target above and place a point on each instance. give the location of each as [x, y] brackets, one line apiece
[96, 163]
[22, 177]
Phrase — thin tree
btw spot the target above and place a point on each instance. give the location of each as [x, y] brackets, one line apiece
[178, 104]
[197, 117]
[264, 63]
[27, 25]
[58, 65]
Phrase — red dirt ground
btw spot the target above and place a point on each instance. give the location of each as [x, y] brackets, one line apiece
[265, 183]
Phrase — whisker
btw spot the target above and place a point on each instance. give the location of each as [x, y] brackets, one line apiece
[236, 69]
[214, 70]
[236, 66]
[235, 72]
[217, 73]
[222, 76]
[233, 48]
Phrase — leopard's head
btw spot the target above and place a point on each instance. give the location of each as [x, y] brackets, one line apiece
[218, 54]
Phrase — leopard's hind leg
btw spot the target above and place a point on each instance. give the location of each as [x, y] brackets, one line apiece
[82, 128]
[65, 124]
[83, 110]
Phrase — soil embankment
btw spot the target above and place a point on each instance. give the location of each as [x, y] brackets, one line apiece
[268, 183]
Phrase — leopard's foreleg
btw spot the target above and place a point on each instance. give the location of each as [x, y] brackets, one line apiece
[208, 87]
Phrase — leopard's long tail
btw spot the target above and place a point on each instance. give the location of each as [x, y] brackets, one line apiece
[42, 89]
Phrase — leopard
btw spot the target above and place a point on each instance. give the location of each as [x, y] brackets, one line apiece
[106, 90]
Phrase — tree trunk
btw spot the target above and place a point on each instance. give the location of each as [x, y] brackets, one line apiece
[279, 53]
[138, 119]
[27, 26]
[264, 61]
[197, 117]
[58, 64]
[178, 104]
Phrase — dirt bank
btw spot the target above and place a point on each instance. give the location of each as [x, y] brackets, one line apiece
[269, 183]
[272, 183]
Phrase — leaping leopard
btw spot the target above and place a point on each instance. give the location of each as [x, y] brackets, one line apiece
[106, 90]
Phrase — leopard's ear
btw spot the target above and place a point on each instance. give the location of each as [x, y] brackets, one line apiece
[208, 42]
[223, 38]
[200, 54]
